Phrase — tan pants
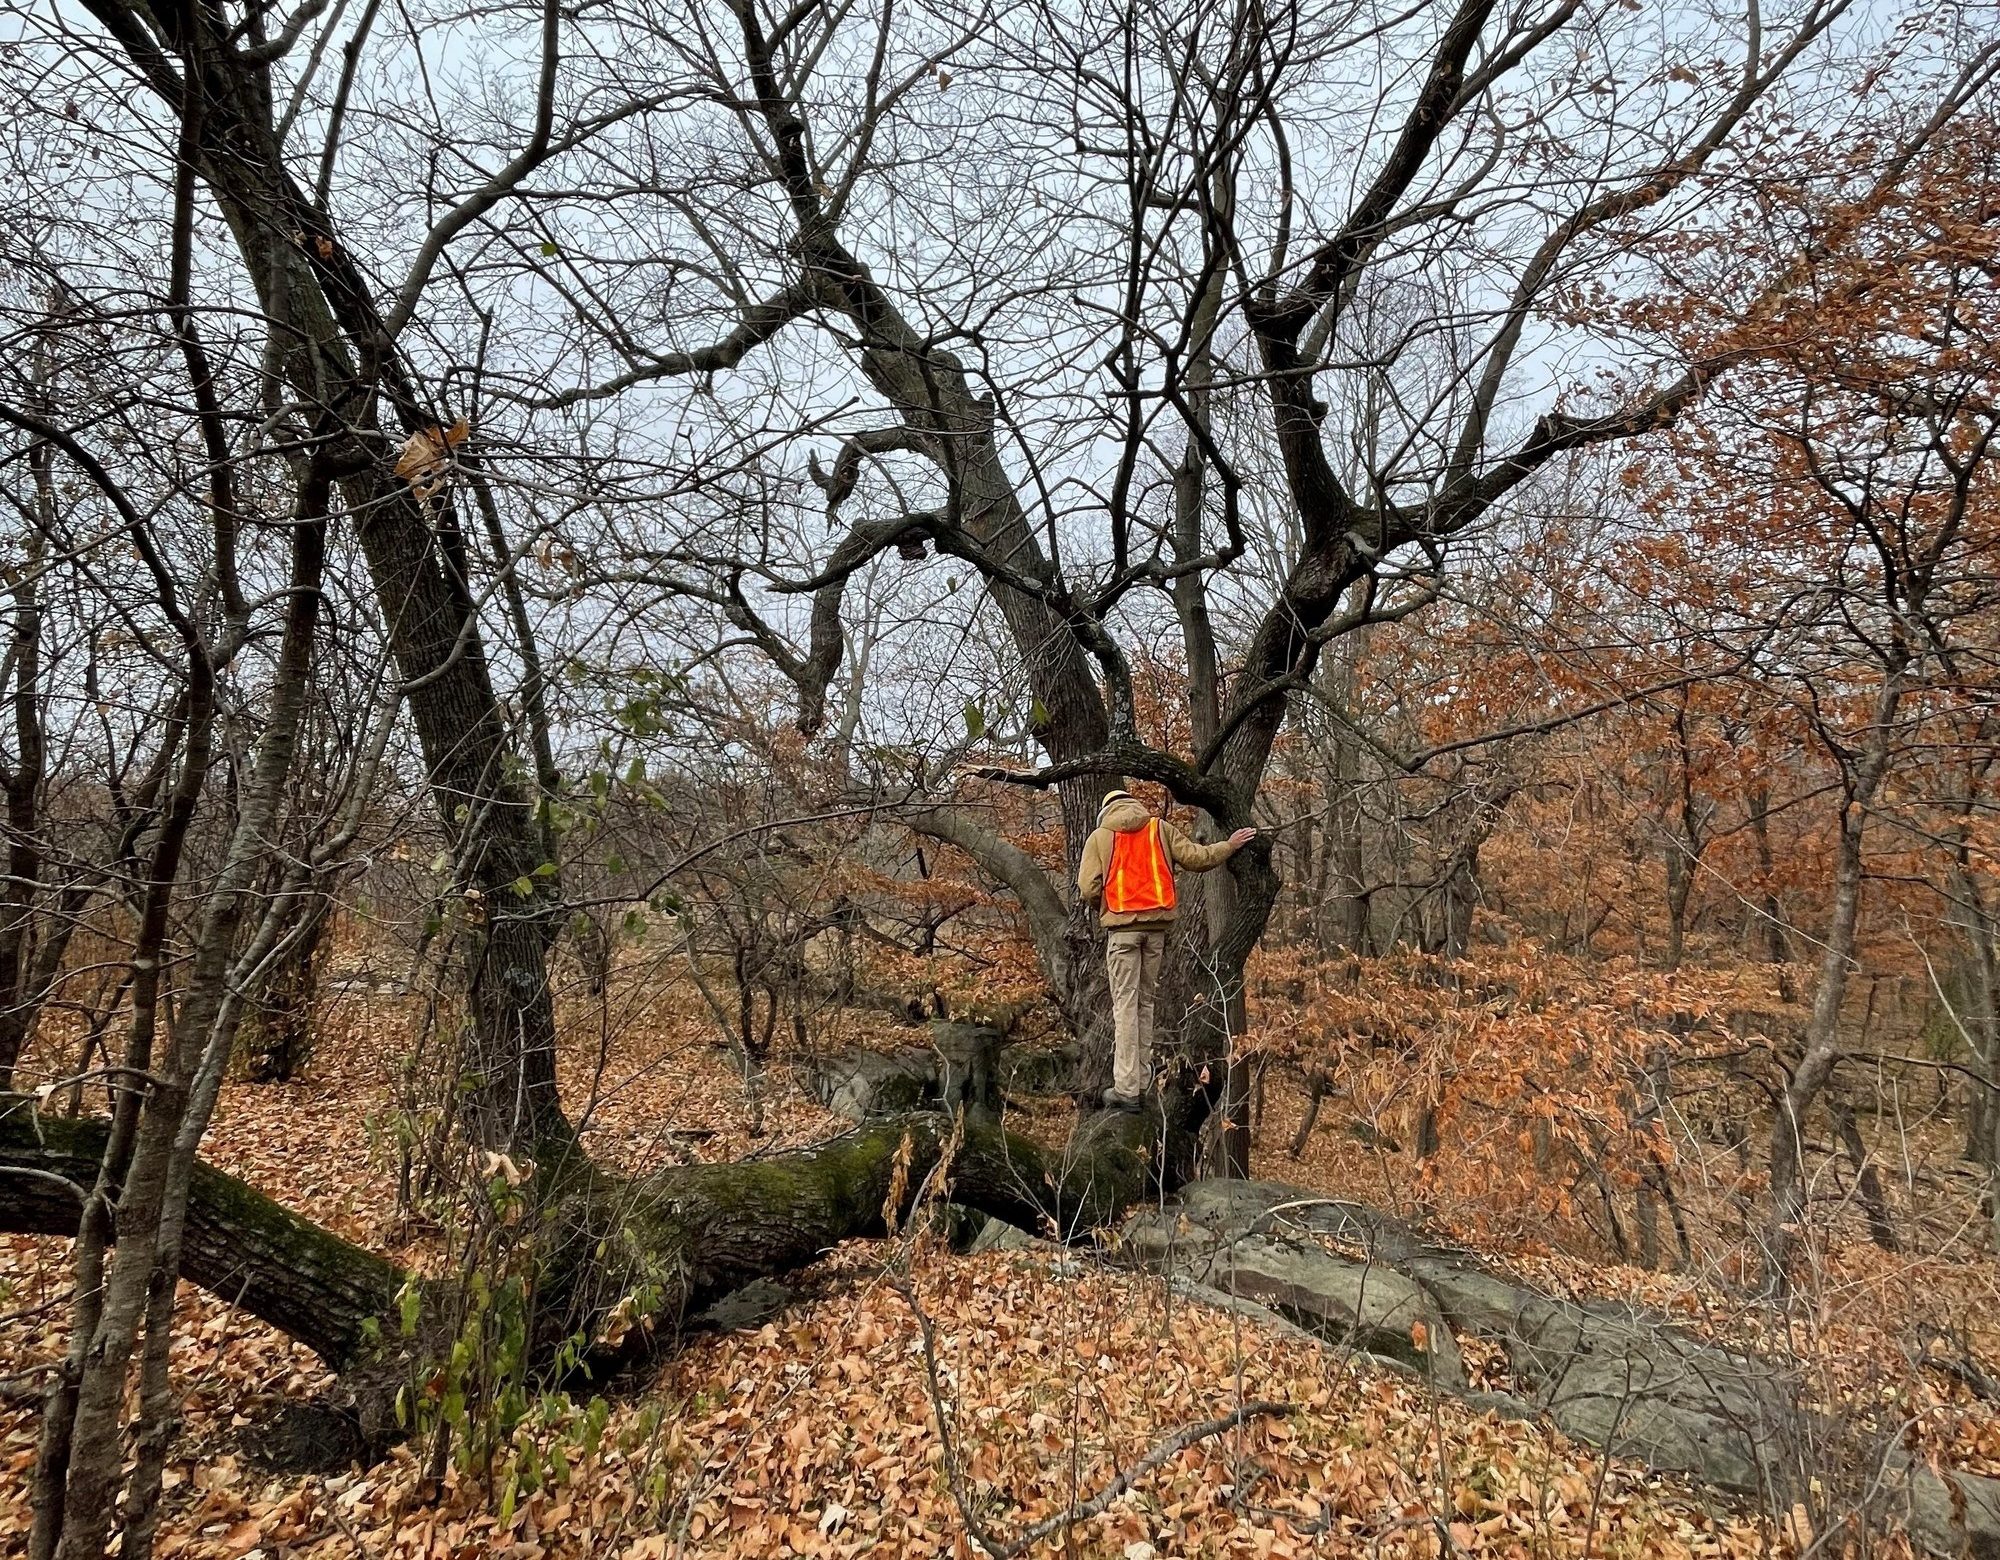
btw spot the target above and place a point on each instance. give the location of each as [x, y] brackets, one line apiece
[1133, 960]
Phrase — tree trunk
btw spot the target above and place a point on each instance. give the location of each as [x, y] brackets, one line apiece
[279, 1039]
[20, 993]
[1458, 897]
[1687, 841]
[1346, 911]
[1980, 1021]
[1822, 1038]
[1680, 881]
[337, 358]
[1978, 1018]
[1213, 1025]
[1874, 1205]
[1771, 915]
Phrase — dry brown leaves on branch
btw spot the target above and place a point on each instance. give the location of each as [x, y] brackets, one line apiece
[426, 459]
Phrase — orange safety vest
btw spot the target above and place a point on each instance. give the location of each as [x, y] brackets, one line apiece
[1140, 877]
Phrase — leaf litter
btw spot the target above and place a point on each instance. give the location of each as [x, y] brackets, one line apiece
[817, 1432]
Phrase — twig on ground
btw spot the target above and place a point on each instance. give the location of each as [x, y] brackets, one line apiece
[1083, 1511]
[953, 1474]
[1171, 1446]
[360, 1544]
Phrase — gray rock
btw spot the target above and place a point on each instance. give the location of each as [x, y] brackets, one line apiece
[1630, 1383]
[1262, 1242]
[751, 1306]
[1036, 1070]
[959, 1067]
[1605, 1374]
[999, 1235]
[861, 1084]
[1956, 1517]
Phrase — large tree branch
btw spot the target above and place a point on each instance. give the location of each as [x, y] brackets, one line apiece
[839, 483]
[760, 322]
[1228, 806]
[929, 389]
[1007, 864]
[1283, 314]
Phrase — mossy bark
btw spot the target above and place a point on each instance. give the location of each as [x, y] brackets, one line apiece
[683, 1238]
[239, 1244]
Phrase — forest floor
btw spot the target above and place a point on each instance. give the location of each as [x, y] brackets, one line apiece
[817, 1431]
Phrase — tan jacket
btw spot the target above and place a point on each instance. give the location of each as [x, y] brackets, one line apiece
[1128, 817]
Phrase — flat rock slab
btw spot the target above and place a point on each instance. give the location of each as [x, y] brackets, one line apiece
[1632, 1384]
[1239, 1237]
[1605, 1374]
[960, 1066]
[751, 1306]
[863, 1084]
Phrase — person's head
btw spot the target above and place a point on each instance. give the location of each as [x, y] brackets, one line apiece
[1117, 799]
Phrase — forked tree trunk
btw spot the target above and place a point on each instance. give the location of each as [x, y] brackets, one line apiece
[338, 358]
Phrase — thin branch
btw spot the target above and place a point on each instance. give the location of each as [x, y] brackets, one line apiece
[1163, 1450]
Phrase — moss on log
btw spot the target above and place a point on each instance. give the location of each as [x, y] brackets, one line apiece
[241, 1245]
[684, 1237]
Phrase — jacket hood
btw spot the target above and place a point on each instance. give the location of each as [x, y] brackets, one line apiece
[1125, 815]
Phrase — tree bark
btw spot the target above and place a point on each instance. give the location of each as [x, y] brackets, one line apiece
[279, 1037]
[21, 991]
[338, 358]
[1771, 915]
[1822, 1041]
[715, 1227]
[238, 1244]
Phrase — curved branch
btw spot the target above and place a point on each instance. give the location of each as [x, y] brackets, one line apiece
[1006, 863]
[857, 446]
[760, 322]
[495, 189]
[1213, 795]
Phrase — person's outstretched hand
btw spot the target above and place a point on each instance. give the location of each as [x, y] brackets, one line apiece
[1242, 837]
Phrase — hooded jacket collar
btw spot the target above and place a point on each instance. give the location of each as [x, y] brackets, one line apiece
[1124, 815]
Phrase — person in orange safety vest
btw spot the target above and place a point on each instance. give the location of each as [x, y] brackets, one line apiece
[1128, 873]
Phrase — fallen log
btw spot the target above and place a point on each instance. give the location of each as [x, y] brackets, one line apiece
[241, 1245]
[1344, 1273]
[710, 1229]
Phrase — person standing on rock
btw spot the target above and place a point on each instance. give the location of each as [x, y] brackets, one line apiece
[1128, 873]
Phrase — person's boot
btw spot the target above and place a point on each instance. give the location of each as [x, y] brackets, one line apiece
[1129, 1103]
